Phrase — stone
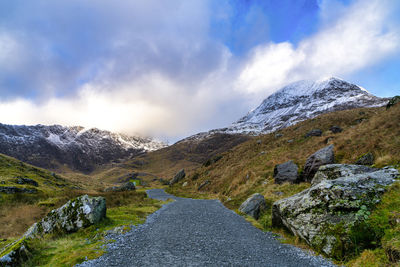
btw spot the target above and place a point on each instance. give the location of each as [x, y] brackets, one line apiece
[334, 171]
[129, 186]
[314, 132]
[286, 172]
[278, 135]
[16, 190]
[259, 142]
[178, 177]
[290, 141]
[325, 214]
[15, 254]
[185, 184]
[22, 180]
[203, 184]
[366, 159]
[321, 157]
[336, 129]
[253, 205]
[78, 213]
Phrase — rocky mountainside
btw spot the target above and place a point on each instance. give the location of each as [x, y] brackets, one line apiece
[78, 148]
[297, 102]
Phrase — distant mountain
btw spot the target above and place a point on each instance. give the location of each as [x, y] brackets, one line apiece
[76, 147]
[297, 102]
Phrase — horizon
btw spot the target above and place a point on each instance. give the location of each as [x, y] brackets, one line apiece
[177, 69]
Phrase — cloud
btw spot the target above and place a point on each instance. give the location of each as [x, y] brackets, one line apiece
[361, 36]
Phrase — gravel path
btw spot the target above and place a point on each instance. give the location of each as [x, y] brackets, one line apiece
[189, 232]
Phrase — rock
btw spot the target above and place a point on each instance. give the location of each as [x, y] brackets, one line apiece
[78, 213]
[15, 254]
[179, 176]
[253, 205]
[286, 172]
[2, 182]
[336, 129]
[163, 181]
[212, 160]
[262, 153]
[290, 141]
[393, 101]
[334, 171]
[129, 186]
[321, 157]
[325, 214]
[185, 184]
[366, 159]
[278, 135]
[15, 190]
[314, 132]
[22, 180]
[259, 142]
[206, 182]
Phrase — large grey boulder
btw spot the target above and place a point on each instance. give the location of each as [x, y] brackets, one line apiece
[321, 157]
[78, 213]
[178, 177]
[334, 171]
[325, 214]
[286, 172]
[253, 205]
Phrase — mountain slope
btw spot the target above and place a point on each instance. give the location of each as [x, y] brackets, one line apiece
[78, 148]
[304, 100]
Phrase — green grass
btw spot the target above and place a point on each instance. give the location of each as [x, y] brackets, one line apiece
[86, 244]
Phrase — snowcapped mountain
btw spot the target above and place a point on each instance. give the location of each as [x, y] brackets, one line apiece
[300, 101]
[79, 148]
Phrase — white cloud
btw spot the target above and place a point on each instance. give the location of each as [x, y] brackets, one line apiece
[361, 36]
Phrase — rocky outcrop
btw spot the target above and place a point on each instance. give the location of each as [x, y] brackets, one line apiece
[314, 132]
[286, 172]
[178, 177]
[321, 157]
[203, 184]
[393, 101]
[78, 213]
[334, 171]
[15, 254]
[129, 186]
[16, 190]
[326, 214]
[366, 159]
[253, 205]
[335, 129]
[22, 180]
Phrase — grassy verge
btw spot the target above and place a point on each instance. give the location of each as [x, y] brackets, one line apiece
[124, 210]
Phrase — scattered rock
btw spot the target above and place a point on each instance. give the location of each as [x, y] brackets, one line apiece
[278, 193]
[206, 182]
[329, 140]
[253, 205]
[129, 186]
[259, 142]
[321, 157]
[22, 180]
[336, 129]
[163, 181]
[366, 159]
[393, 101]
[262, 153]
[286, 172]
[325, 214]
[15, 190]
[179, 176]
[212, 160]
[247, 176]
[334, 171]
[278, 135]
[290, 141]
[314, 132]
[78, 213]
[185, 184]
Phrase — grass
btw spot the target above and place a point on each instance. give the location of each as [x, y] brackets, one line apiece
[86, 244]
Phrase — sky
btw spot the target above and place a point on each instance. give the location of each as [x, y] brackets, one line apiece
[173, 68]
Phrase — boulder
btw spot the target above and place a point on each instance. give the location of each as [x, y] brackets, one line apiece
[334, 171]
[314, 132]
[366, 159]
[336, 129]
[321, 157]
[179, 176]
[15, 254]
[393, 101]
[286, 172]
[129, 186]
[253, 205]
[326, 214]
[78, 213]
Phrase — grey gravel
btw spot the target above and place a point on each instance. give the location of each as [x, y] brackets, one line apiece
[191, 232]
